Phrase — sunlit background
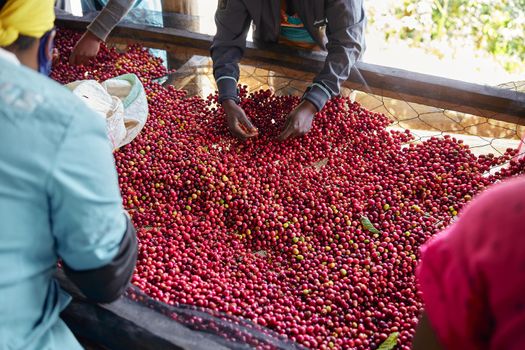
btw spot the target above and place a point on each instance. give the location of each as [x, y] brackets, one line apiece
[479, 41]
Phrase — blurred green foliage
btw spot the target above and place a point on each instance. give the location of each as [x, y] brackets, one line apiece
[494, 26]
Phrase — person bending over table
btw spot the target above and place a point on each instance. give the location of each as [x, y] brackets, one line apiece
[297, 22]
[59, 194]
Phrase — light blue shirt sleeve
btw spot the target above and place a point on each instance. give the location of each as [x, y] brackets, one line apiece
[87, 217]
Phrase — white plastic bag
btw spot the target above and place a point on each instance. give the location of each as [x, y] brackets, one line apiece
[121, 101]
[130, 91]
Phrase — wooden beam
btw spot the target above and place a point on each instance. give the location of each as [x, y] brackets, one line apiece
[480, 100]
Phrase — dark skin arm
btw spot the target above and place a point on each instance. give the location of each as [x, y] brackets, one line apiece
[238, 123]
[425, 338]
[86, 49]
[299, 121]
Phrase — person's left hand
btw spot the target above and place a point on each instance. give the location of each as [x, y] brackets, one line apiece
[85, 49]
[299, 121]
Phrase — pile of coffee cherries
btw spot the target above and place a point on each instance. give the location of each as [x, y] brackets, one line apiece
[108, 64]
[316, 238]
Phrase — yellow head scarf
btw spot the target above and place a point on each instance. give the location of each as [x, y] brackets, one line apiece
[25, 17]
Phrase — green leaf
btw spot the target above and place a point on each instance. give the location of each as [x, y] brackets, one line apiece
[390, 342]
[367, 225]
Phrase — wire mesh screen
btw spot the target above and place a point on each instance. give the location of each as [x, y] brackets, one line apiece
[481, 133]
[223, 329]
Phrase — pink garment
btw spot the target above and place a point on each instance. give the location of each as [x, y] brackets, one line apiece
[472, 275]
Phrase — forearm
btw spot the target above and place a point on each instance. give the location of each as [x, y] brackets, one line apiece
[109, 17]
[345, 46]
[341, 57]
[233, 22]
[107, 283]
[226, 71]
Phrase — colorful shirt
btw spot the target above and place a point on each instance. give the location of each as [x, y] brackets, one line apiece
[59, 197]
[344, 22]
[472, 275]
[293, 31]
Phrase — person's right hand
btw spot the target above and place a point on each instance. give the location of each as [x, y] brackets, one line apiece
[238, 123]
[85, 49]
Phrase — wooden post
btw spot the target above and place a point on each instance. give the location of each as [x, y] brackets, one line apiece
[170, 9]
[185, 7]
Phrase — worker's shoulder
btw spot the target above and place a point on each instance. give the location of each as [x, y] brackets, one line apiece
[37, 97]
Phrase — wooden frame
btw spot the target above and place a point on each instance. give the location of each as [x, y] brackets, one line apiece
[484, 101]
[139, 327]
[135, 321]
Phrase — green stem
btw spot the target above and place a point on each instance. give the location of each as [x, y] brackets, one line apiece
[443, 15]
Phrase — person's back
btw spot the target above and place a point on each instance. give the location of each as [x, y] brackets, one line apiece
[59, 197]
[471, 276]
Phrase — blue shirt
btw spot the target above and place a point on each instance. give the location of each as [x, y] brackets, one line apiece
[59, 197]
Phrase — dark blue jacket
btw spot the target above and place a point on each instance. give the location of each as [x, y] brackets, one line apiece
[344, 42]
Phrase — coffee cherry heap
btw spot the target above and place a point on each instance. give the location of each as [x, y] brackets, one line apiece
[316, 238]
[108, 64]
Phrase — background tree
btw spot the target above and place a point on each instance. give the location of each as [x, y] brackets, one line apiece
[494, 26]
